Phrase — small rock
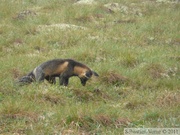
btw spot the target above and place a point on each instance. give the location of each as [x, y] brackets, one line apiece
[115, 7]
[85, 2]
[151, 38]
[59, 26]
[97, 90]
[24, 14]
[168, 1]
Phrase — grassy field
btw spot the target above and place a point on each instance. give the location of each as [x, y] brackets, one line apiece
[134, 47]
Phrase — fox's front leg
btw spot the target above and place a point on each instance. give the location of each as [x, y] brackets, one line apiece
[66, 81]
[63, 80]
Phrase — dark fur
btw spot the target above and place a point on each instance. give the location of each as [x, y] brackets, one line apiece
[62, 68]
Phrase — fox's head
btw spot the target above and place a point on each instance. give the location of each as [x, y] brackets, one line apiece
[83, 72]
[86, 75]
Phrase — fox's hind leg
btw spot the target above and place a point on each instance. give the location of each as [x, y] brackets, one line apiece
[51, 80]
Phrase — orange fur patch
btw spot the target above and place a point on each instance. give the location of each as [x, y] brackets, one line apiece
[61, 68]
[80, 71]
[57, 70]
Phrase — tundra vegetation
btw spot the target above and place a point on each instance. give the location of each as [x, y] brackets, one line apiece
[134, 45]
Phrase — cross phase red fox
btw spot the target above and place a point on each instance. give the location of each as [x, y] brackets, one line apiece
[62, 68]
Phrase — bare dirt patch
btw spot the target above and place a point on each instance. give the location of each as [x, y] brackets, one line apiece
[85, 95]
[155, 70]
[16, 73]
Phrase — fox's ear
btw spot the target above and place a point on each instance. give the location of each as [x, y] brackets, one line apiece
[94, 73]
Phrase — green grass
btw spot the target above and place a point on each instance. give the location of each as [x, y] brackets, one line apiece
[136, 55]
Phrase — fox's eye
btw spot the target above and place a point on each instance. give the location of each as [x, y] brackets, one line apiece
[88, 74]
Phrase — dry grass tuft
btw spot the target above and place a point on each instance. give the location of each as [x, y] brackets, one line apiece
[114, 78]
[155, 70]
[87, 123]
[16, 73]
[105, 120]
[83, 95]
[135, 104]
[31, 31]
[168, 99]
[18, 42]
[85, 19]
[53, 99]
[151, 116]
[30, 116]
[73, 132]
[101, 94]
[125, 21]
[176, 41]
[130, 60]
[82, 122]
[122, 122]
